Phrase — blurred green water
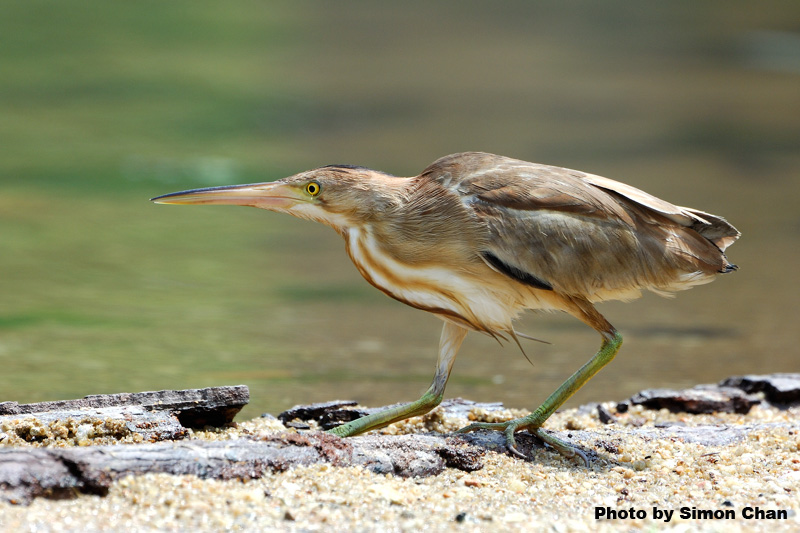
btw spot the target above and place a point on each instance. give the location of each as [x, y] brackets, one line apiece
[104, 105]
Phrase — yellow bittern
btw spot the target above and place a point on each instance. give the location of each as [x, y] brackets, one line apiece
[476, 238]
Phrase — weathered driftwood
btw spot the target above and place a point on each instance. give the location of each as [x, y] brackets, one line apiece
[777, 388]
[64, 472]
[26, 473]
[213, 406]
[148, 416]
[699, 400]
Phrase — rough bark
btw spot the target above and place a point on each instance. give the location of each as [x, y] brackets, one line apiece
[63, 472]
[212, 406]
[777, 388]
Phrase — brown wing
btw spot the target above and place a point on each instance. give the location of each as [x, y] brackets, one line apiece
[581, 234]
[715, 229]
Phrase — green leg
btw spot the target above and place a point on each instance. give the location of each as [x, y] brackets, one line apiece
[533, 422]
[450, 342]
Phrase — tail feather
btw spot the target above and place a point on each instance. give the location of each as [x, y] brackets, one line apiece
[716, 229]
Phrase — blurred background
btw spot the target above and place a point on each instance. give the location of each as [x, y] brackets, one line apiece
[104, 105]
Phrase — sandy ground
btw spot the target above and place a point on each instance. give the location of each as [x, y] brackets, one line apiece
[644, 477]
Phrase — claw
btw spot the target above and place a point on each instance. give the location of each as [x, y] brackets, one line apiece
[572, 451]
[509, 428]
[582, 455]
[511, 442]
[514, 451]
[564, 448]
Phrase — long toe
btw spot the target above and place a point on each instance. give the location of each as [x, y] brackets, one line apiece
[492, 426]
[507, 428]
[563, 447]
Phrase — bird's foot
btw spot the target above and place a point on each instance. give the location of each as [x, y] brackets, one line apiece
[512, 426]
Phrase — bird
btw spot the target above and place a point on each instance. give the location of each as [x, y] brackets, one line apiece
[478, 238]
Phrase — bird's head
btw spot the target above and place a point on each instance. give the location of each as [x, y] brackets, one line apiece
[340, 196]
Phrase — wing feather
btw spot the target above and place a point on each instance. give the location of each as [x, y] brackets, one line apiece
[584, 234]
[714, 228]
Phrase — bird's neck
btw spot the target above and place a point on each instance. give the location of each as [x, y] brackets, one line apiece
[386, 199]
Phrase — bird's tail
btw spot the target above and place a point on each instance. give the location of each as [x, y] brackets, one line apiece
[716, 229]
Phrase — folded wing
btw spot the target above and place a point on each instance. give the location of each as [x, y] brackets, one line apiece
[585, 235]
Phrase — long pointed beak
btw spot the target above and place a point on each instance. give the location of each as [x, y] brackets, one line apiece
[271, 196]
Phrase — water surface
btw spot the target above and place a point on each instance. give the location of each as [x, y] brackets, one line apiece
[102, 291]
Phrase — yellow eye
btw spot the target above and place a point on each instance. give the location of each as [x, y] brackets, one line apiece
[313, 188]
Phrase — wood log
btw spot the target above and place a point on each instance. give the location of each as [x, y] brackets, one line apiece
[212, 406]
[27, 473]
[149, 416]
